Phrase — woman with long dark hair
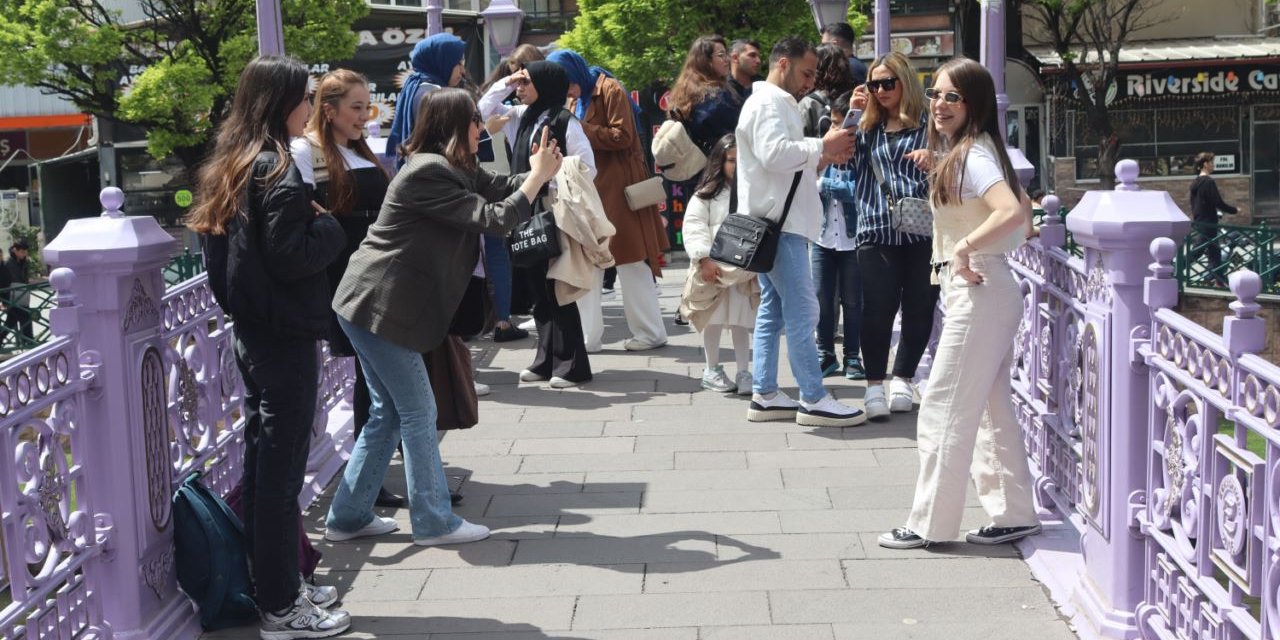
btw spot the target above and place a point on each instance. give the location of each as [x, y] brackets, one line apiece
[967, 429]
[834, 79]
[267, 249]
[701, 97]
[398, 298]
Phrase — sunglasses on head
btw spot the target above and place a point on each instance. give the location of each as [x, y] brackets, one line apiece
[949, 97]
[886, 84]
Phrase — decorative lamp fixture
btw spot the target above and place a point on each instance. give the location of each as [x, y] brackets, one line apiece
[503, 20]
[827, 12]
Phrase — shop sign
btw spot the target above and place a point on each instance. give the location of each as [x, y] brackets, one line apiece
[1224, 163]
[940, 44]
[1193, 82]
[12, 142]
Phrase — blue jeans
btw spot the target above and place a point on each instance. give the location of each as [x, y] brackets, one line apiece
[788, 304]
[837, 278]
[403, 406]
[497, 266]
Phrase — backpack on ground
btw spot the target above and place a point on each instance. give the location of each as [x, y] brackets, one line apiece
[213, 566]
[675, 153]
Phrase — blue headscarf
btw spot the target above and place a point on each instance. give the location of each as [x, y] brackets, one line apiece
[586, 77]
[433, 60]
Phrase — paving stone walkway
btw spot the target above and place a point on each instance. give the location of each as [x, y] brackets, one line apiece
[640, 507]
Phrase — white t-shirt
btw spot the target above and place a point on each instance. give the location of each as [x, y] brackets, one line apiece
[981, 171]
[301, 148]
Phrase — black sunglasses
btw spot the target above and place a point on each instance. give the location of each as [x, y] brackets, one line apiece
[949, 97]
[886, 84]
[476, 118]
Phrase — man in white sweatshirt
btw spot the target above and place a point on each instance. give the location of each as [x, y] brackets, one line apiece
[775, 160]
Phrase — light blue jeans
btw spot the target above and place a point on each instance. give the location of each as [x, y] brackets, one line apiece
[788, 304]
[403, 406]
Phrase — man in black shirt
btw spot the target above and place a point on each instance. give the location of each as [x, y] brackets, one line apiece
[15, 273]
[744, 66]
[1206, 207]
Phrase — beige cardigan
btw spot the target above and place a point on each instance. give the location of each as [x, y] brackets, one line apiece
[584, 233]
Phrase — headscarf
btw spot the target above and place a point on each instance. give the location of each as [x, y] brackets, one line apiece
[586, 77]
[433, 60]
[552, 85]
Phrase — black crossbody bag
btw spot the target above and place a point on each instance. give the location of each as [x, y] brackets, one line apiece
[751, 242]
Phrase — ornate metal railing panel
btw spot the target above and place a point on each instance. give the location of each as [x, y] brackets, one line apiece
[50, 531]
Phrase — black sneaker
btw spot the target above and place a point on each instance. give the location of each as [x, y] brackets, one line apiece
[853, 369]
[991, 534]
[902, 538]
[509, 334]
[829, 364]
[387, 499]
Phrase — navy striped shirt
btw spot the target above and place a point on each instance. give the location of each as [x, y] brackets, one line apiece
[904, 178]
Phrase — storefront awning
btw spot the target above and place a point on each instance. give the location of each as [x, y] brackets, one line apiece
[1182, 52]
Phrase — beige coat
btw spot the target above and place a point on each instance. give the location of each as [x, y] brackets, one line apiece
[584, 233]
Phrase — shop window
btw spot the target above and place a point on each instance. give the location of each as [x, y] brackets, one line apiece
[1163, 141]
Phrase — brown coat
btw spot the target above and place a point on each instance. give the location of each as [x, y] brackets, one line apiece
[610, 125]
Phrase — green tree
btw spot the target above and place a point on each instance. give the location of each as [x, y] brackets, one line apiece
[173, 72]
[642, 41]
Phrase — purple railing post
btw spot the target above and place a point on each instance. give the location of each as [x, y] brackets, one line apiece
[118, 261]
[1116, 229]
[1052, 232]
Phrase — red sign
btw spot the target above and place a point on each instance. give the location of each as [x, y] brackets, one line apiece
[12, 142]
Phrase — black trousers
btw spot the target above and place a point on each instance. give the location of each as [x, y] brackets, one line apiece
[19, 320]
[281, 380]
[896, 277]
[562, 351]
[1206, 235]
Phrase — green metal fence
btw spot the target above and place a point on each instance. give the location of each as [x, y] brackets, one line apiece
[1037, 219]
[1211, 252]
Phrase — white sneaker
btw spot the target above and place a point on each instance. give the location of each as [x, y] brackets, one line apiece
[322, 596]
[829, 412]
[529, 325]
[716, 380]
[877, 406]
[560, 383]
[636, 344]
[901, 396]
[376, 527]
[744, 381]
[466, 532]
[482, 390]
[529, 376]
[303, 620]
[593, 348]
[774, 406]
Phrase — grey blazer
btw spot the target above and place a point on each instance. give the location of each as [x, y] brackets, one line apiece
[407, 278]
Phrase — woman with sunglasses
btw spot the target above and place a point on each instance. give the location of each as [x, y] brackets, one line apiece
[701, 97]
[980, 214]
[895, 265]
[398, 297]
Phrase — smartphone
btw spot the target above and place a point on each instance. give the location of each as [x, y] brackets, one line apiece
[851, 120]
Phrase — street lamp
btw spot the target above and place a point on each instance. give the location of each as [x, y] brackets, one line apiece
[435, 17]
[993, 55]
[882, 27]
[503, 20]
[827, 12]
[270, 28]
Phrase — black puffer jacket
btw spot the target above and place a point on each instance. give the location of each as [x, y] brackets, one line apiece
[268, 271]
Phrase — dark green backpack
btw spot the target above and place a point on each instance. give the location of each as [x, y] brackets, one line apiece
[213, 568]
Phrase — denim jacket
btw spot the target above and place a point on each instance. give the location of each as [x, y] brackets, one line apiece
[837, 182]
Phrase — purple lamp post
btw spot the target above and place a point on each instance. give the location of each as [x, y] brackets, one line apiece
[882, 27]
[435, 17]
[503, 20]
[270, 28]
[993, 55]
[827, 12]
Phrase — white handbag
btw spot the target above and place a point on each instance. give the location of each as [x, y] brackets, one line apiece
[645, 194]
[906, 215]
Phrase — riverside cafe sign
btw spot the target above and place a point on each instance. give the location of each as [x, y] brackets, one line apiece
[1198, 82]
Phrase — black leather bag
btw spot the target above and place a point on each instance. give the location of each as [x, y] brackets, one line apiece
[751, 242]
[535, 241]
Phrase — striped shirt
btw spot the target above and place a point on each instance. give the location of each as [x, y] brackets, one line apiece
[904, 178]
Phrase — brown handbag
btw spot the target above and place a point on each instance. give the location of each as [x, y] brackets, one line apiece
[453, 384]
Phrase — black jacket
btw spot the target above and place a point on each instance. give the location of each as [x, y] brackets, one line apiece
[268, 271]
[1206, 202]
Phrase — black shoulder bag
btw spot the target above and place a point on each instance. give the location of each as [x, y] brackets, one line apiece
[751, 242]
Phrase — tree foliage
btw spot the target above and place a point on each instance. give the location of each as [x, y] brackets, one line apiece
[642, 41]
[172, 72]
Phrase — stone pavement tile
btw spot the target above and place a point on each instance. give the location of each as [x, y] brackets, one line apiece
[888, 496]
[501, 413]
[475, 447]
[825, 439]
[974, 630]
[568, 411]
[527, 430]
[523, 483]
[474, 464]
[898, 457]
[671, 610]
[772, 632]
[681, 385]
[633, 372]
[531, 581]
[799, 546]
[687, 633]
[722, 442]
[867, 475]
[520, 528]
[960, 573]
[398, 552]
[596, 462]
[711, 460]
[542, 446]
[489, 615]
[937, 552]
[687, 480]
[375, 583]
[560, 503]
[703, 425]
[760, 500]
[700, 420]
[727, 523]
[684, 547]
[843, 520]
[810, 459]
[704, 577]
[1014, 606]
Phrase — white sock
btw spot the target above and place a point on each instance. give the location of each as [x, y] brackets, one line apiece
[711, 344]
[741, 348]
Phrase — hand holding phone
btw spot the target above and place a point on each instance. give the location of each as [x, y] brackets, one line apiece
[851, 119]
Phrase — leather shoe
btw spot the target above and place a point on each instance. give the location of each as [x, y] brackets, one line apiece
[455, 498]
[387, 499]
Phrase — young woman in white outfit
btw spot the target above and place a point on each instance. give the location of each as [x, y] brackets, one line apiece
[967, 426]
[733, 307]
